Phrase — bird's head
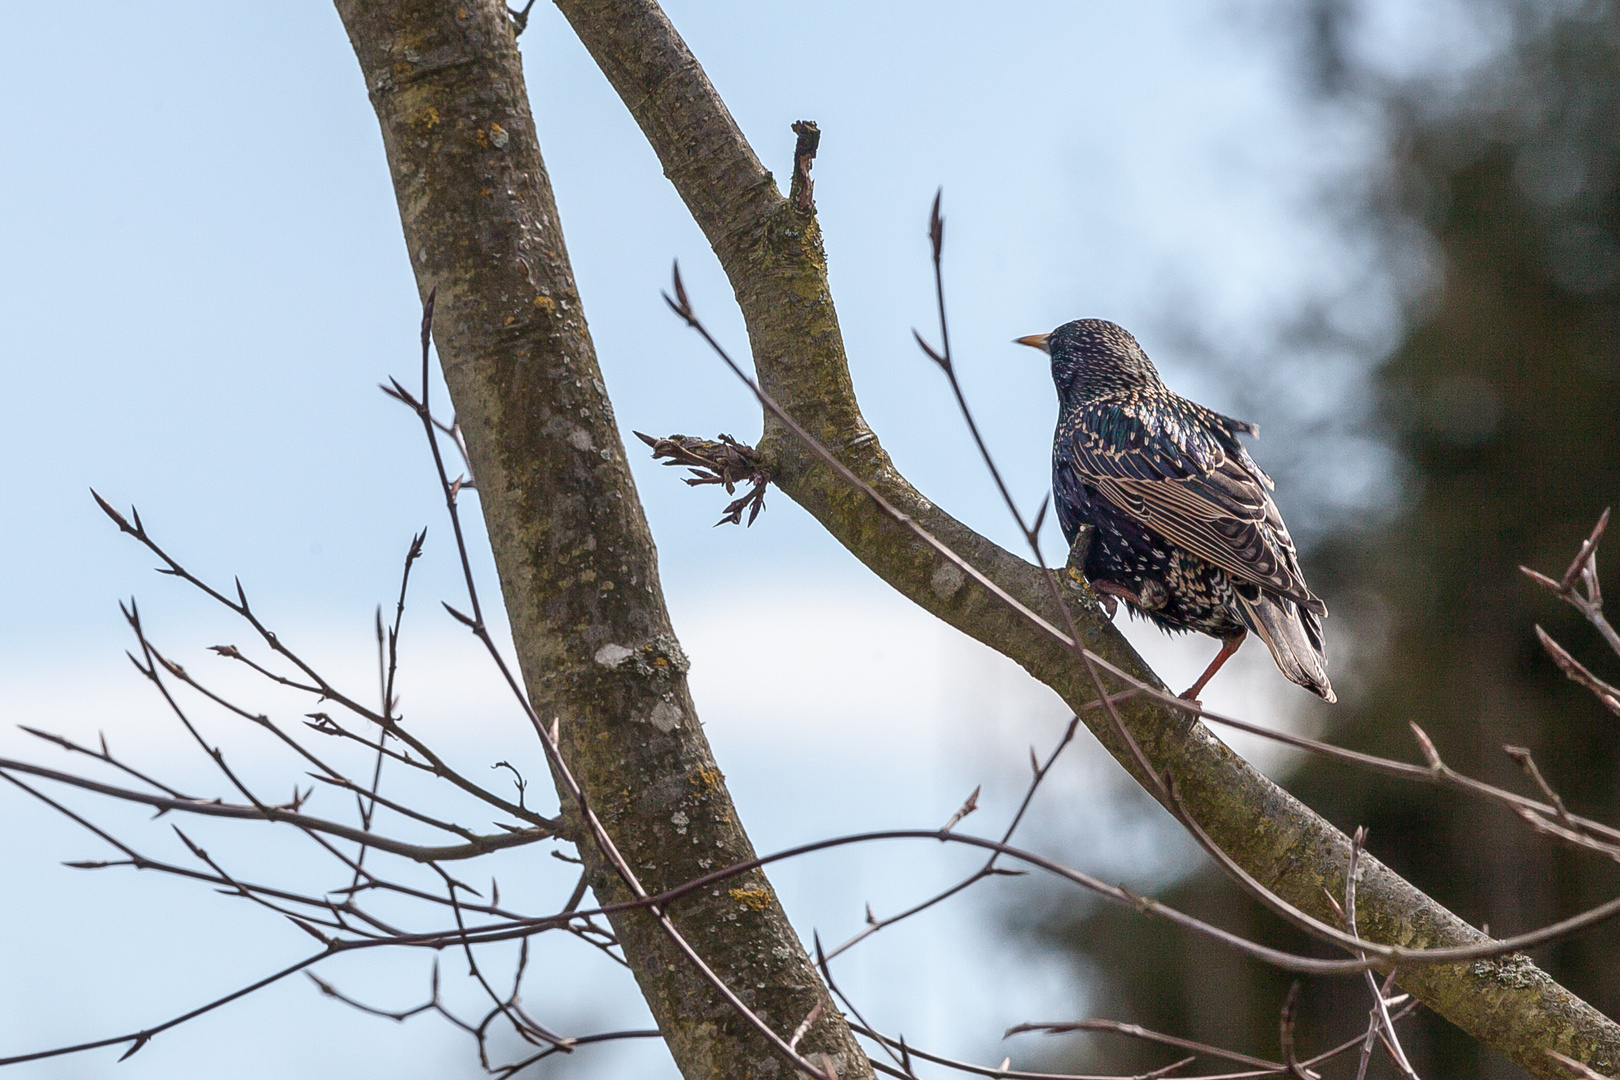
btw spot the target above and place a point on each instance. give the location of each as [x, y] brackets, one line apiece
[1094, 358]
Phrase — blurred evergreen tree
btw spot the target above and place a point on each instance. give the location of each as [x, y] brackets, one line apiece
[1503, 399]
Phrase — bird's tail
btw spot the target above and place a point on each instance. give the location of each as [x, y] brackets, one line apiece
[1294, 636]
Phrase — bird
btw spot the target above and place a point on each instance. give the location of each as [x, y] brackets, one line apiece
[1183, 528]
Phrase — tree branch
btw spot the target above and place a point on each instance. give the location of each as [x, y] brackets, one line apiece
[771, 251]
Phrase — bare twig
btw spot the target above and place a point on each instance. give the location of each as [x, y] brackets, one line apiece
[801, 190]
[1576, 1068]
[139, 1039]
[317, 683]
[1579, 587]
[1285, 1034]
[903, 1060]
[1380, 1006]
[970, 804]
[387, 667]
[476, 845]
[1578, 672]
[1040, 769]
[1136, 1031]
[1263, 1067]
[1003, 1070]
[1526, 762]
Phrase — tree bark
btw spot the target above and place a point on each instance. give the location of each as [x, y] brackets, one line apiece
[771, 250]
[577, 566]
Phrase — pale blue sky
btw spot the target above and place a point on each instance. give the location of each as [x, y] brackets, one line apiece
[204, 282]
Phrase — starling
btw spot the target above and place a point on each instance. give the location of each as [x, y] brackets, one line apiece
[1183, 526]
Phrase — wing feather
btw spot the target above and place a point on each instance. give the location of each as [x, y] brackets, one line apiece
[1164, 463]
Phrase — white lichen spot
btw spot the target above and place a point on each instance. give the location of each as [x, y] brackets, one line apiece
[665, 717]
[946, 580]
[498, 138]
[611, 655]
[781, 952]
[680, 821]
[581, 439]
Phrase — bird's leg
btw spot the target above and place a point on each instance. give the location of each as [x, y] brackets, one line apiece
[1228, 647]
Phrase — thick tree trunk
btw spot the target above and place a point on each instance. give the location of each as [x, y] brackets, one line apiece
[577, 566]
[771, 250]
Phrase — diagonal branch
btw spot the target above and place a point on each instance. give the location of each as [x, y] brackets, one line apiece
[771, 250]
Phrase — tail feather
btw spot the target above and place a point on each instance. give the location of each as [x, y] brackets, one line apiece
[1294, 636]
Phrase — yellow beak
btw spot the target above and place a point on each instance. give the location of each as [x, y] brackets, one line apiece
[1034, 341]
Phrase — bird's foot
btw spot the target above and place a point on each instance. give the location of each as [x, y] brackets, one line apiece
[1107, 591]
[1190, 699]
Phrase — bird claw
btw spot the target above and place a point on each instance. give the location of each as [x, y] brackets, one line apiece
[1109, 595]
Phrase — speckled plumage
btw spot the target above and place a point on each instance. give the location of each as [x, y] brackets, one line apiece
[1185, 530]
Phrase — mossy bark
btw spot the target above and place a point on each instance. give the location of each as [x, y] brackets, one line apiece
[577, 566]
[772, 252]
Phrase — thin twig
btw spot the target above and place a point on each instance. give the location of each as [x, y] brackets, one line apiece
[476, 845]
[1380, 1006]
[1285, 1036]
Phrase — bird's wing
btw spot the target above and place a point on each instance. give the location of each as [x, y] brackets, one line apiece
[1162, 463]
